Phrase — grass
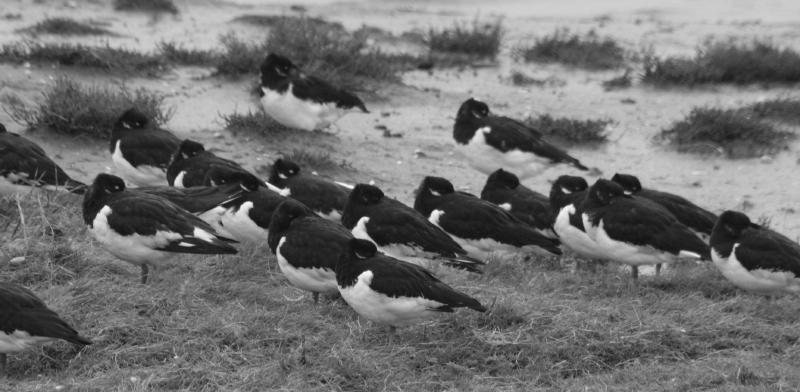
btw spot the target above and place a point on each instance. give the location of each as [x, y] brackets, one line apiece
[731, 132]
[146, 6]
[475, 39]
[234, 323]
[518, 78]
[588, 51]
[619, 82]
[784, 109]
[317, 160]
[100, 57]
[65, 26]
[71, 108]
[176, 53]
[568, 131]
[725, 62]
[261, 20]
[252, 122]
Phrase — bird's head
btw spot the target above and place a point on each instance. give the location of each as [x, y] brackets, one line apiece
[629, 183]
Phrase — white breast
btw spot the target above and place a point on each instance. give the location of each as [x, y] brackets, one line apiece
[292, 112]
[759, 280]
[241, 227]
[135, 248]
[142, 175]
[18, 341]
[574, 238]
[318, 280]
[408, 253]
[487, 159]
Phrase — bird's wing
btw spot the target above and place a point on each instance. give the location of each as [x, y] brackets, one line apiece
[317, 90]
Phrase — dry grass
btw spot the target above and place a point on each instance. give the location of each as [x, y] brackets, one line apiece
[101, 57]
[785, 110]
[570, 131]
[730, 132]
[725, 62]
[233, 323]
[71, 108]
[65, 26]
[477, 39]
[176, 53]
[252, 122]
[146, 6]
[588, 51]
[317, 160]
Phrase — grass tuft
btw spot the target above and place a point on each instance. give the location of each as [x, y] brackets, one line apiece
[588, 51]
[478, 39]
[102, 57]
[725, 62]
[252, 121]
[176, 53]
[785, 110]
[569, 131]
[620, 82]
[317, 160]
[146, 6]
[275, 20]
[65, 26]
[518, 78]
[71, 108]
[730, 132]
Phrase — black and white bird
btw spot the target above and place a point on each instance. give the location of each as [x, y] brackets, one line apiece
[635, 233]
[326, 198]
[140, 150]
[301, 101]
[389, 291]
[480, 227]
[753, 257]
[697, 218]
[192, 165]
[490, 142]
[503, 188]
[246, 217]
[145, 229]
[25, 165]
[26, 321]
[566, 198]
[307, 247]
[400, 231]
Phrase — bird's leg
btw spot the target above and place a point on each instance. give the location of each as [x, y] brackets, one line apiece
[635, 273]
[315, 295]
[658, 269]
[3, 360]
[145, 273]
[392, 332]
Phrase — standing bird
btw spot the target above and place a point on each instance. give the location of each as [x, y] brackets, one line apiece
[300, 101]
[490, 142]
[325, 197]
[192, 165]
[635, 233]
[145, 229]
[247, 217]
[697, 218]
[390, 291]
[307, 247]
[755, 258]
[503, 188]
[24, 165]
[25, 321]
[566, 198]
[478, 226]
[400, 231]
[140, 150]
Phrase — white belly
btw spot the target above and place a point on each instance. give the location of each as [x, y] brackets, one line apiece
[135, 248]
[487, 159]
[239, 225]
[574, 238]
[292, 112]
[18, 341]
[760, 280]
[407, 253]
[142, 175]
[317, 280]
[634, 254]
[394, 311]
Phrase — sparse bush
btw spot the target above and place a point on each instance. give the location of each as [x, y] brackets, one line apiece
[780, 109]
[620, 82]
[179, 54]
[570, 131]
[273, 20]
[102, 57]
[72, 108]
[478, 39]
[520, 79]
[239, 57]
[65, 26]
[588, 51]
[729, 132]
[146, 5]
[316, 160]
[257, 121]
[725, 62]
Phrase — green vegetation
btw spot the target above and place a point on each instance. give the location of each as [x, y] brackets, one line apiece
[588, 51]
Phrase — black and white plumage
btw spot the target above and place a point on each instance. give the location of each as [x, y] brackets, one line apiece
[307, 247]
[301, 101]
[566, 199]
[140, 150]
[145, 229]
[490, 142]
[696, 218]
[479, 226]
[247, 216]
[192, 165]
[503, 188]
[753, 257]
[25, 165]
[635, 233]
[391, 291]
[26, 321]
[324, 197]
[400, 231]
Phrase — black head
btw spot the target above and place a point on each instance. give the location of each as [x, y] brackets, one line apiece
[283, 169]
[502, 179]
[132, 119]
[629, 183]
[108, 183]
[732, 224]
[286, 212]
[470, 117]
[247, 181]
[366, 194]
[276, 68]
[567, 185]
[472, 108]
[362, 249]
[190, 148]
[604, 191]
[435, 186]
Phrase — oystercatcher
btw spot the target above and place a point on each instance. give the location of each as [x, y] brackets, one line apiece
[503, 188]
[140, 150]
[326, 198]
[192, 165]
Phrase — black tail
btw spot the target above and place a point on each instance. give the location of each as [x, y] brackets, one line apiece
[464, 263]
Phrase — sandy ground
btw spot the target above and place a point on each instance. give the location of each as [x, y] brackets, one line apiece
[424, 109]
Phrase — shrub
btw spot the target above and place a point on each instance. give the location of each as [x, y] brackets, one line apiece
[65, 26]
[588, 51]
[257, 121]
[179, 54]
[779, 109]
[479, 39]
[102, 57]
[570, 131]
[146, 5]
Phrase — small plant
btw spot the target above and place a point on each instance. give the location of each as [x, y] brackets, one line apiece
[570, 131]
[65, 26]
[71, 108]
[315, 160]
[588, 51]
[257, 121]
[179, 54]
[146, 5]
[725, 62]
[239, 57]
[730, 132]
[780, 109]
[478, 39]
[620, 82]
[520, 79]
[102, 57]
[274, 20]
